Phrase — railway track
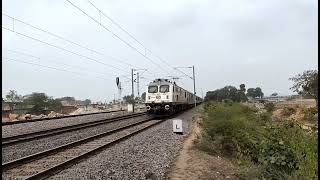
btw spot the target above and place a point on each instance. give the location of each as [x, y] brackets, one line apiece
[44, 164]
[11, 140]
[61, 117]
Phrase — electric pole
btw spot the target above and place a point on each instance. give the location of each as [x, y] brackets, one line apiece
[194, 87]
[138, 84]
[132, 94]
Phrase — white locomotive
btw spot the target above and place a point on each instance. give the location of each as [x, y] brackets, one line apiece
[166, 97]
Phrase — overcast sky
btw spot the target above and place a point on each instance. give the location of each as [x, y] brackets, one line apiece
[258, 43]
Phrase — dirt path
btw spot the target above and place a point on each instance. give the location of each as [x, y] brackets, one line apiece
[194, 164]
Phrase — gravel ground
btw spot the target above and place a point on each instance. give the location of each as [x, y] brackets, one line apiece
[24, 149]
[16, 129]
[147, 155]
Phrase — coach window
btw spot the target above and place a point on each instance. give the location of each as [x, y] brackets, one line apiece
[185, 94]
[164, 88]
[153, 89]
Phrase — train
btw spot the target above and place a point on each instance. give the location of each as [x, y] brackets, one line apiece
[165, 97]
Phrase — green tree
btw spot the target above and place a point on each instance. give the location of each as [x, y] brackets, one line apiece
[306, 84]
[259, 92]
[228, 92]
[13, 98]
[129, 99]
[251, 92]
[255, 93]
[42, 102]
[274, 94]
[242, 92]
[87, 102]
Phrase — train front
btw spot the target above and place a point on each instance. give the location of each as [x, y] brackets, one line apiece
[159, 97]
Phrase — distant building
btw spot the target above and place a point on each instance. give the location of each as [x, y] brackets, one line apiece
[18, 108]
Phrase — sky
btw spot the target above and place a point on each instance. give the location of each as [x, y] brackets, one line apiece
[258, 43]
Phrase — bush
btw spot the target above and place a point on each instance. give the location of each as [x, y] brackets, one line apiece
[288, 111]
[265, 116]
[278, 151]
[269, 106]
[310, 114]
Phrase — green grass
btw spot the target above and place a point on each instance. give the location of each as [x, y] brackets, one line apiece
[262, 149]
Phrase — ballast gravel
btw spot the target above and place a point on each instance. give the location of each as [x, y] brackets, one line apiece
[16, 129]
[17, 151]
[147, 155]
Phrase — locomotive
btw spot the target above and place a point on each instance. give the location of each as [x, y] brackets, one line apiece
[165, 97]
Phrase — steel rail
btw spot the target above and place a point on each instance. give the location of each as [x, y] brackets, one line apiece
[11, 140]
[30, 165]
[60, 117]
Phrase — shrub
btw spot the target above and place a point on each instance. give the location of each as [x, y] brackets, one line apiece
[310, 114]
[265, 116]
[288, 111]
[269, 106]
[276, 150]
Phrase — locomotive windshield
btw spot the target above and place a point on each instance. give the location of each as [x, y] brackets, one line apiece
[153, 89]
[164, 88]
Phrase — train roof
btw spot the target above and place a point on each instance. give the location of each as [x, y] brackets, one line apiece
[161, 81]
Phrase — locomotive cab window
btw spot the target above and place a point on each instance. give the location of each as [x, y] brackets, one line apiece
[153, 89]
[164, 88]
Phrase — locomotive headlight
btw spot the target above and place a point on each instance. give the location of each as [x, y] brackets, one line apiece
[148, 108]
[166, 107]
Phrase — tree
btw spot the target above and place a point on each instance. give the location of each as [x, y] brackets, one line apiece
[251, 93]
[242, 92]
[306, 84]
[255, 93]
[129, 99]
[258, 93]
[42, 102]
[274, 94]
[228, 92]
[87, 102]
[143, 96]
[243, 88]
[13, 98]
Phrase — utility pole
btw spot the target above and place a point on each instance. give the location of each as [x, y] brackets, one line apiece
[132, 94]
[194, 87]
[138, 84]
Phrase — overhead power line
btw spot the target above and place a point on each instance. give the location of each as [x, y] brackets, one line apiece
[63, 49]
[50, 67]
[115, 35]
[67, 40]
[129, 34]
[73, 66]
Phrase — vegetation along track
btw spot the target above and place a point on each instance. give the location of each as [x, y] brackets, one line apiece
[11, 140]
[46, 163]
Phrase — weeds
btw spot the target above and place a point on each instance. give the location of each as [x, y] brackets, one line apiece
[276, 150]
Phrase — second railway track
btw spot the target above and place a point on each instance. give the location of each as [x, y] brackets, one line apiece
[49, 162]
[11, 140]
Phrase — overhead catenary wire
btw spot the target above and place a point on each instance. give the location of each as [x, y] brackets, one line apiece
[67, 40]
[129, 34]
[115, 35]
[63, 49]
[73, 66]
[50, 67]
